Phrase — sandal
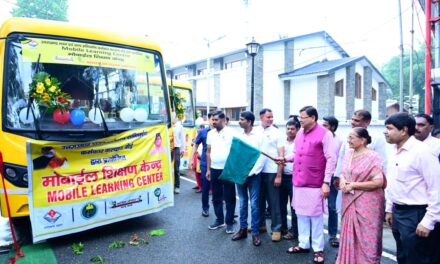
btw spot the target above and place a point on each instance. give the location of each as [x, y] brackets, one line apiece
[334, 242]
[318, 257]
[289, 236]
[297, 250]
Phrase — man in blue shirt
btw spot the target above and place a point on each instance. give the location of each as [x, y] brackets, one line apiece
[206, 185]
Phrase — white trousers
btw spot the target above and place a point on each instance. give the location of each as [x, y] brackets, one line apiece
[316, 224]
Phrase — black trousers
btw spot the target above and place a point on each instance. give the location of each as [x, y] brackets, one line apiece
[272, 193]
[412, 249]
[177, 168]
[285, 200]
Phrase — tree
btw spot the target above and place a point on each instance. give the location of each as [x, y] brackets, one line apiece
[391, 71]
[44, 9]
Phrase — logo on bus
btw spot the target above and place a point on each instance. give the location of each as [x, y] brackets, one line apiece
[52, 216]
[89, 210]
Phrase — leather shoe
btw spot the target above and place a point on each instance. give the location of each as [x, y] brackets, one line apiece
[262, 229]
[241, 234]
[256, 241]
[276, 236]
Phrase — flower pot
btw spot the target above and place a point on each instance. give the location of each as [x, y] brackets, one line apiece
[61, 117]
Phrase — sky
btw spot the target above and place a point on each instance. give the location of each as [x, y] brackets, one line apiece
[185, 27]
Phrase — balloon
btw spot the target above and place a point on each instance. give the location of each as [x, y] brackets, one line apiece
[126, 114]
[140, 115]
[26, 118]
[95, 116]
[77, 117]
[61, 117]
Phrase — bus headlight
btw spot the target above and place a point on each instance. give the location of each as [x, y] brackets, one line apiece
[11, 172]
[17, 175]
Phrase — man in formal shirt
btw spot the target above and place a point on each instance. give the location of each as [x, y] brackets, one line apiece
[179, 151]
[219, 143]
[271, 173]
[424, 127]
[331, 123]
[252, 183]
[412, 196]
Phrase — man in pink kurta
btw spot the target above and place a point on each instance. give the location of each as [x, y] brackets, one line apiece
[314, 164]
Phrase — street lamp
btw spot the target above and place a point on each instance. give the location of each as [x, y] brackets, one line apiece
[252, 50]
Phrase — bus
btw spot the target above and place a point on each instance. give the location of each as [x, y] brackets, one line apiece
[184, 90]
[114, 82]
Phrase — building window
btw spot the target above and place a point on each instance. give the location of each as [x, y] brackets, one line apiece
[339, 88]
[373, 94]
[201, 72]
[182, 76]
[233, 64]
[234, 113]
[358, 86]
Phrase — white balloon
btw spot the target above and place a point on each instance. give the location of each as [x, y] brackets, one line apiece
[95, 116]
[140, 115]
[28, 118]
[126, 114]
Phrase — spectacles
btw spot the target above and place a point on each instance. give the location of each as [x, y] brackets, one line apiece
[303, 117]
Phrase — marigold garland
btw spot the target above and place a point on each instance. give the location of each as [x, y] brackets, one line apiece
[178, 103]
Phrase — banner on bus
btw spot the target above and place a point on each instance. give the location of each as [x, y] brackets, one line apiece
[79, 186]
[87, 54]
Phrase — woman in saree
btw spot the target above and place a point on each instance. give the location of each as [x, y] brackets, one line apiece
[363, 202]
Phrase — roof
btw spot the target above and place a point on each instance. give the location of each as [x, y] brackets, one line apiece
[328, 67]
[323, 33]
[64, 29]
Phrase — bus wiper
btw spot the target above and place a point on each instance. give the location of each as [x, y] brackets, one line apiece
[97, 106]
[148, 94]
[29, 106]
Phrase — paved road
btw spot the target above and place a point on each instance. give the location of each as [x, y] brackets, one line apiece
[187, 240]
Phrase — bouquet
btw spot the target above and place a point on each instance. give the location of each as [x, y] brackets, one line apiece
[45, 90]
[178, 101]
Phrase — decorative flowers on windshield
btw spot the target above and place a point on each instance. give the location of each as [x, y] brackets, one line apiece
[45, 90]
[178, 103]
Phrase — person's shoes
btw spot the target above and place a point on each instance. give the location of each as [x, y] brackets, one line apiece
[205, 213]
[229, 229]
[289, 236]
[334, 242]
[276, 236]
[216, 225]
[256, 241]
[176, 190]
[196, 187]
[241, 234]
[262, 229]
[198, 191]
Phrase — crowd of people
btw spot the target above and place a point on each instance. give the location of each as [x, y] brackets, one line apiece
[306, 168]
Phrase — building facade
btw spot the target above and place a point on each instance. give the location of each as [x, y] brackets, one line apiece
[289, 73]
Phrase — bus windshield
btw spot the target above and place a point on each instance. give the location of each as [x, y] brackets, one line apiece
[102, 87]
[188, 120]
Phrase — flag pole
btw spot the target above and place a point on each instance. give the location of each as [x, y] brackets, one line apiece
[270, 157]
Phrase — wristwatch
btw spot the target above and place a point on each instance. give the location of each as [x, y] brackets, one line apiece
[327, 183]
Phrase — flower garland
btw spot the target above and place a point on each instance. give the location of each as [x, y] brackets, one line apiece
[178, 103]
[45, 90]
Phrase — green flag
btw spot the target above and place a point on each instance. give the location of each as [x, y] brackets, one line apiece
[242, 158]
